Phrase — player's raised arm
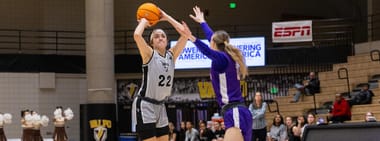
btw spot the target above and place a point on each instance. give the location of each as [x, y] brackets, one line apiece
[144, 48]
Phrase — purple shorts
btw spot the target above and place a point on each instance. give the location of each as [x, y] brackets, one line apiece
[241, 118]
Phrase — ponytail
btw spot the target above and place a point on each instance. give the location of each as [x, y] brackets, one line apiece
[221, 38]
[236, 54]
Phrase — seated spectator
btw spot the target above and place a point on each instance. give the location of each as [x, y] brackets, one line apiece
[311, 119]
[370, 117]
[310, 87]
[278, 130]
[364, 96]
[205, 134]
[173, 133]
[341, 110]
[291, 128]
[223, 126]
[191, 133]
[218, 131]
[300, 126]
[182, 131]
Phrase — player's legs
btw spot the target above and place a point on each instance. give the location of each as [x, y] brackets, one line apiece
[296, 96]
[238, 118]
[155, 134]
[163, 134]
[145, 119]
[162, 123]
[233, 134]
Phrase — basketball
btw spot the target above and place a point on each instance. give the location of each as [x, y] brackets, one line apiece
[150, 12]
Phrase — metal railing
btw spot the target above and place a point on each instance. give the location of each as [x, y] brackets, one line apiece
[373, 53]
[374, 27]
[347, 78]
[328, 32]
[275, 102]
[38, 41]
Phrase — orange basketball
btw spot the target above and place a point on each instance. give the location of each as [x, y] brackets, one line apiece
[150, 12]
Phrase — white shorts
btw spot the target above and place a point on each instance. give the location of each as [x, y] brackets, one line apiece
[144, 114]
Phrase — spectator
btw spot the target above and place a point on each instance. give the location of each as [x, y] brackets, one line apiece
[291, 128]
[370, 117]
[173, 133]
[223, 126]
[278, 130]
[311, 119]
[191, 133]
[200, 122]
[218, 131]
[257, 109]
[310, 86]
[182, 131]
[341, 110]
[364, 96]
[298, 131]
[205, 134]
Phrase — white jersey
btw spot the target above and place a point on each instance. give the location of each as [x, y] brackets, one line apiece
[158, 76]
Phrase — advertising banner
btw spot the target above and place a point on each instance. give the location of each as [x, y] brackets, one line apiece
[294, 31]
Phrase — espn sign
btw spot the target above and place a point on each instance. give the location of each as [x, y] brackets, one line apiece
[296, 31]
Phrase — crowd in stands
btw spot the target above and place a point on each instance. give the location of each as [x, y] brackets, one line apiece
[260, 88]
[341, 110]
[270, 86]
[280, 129]
[204, 132]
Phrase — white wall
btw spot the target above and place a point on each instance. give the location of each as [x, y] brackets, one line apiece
[20, 91]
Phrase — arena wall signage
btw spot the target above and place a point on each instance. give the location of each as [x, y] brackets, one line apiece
[294, 31]
[253, 49]
[98, 122]
[206, 91]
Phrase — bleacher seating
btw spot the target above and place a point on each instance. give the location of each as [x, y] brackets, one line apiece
[361, 69]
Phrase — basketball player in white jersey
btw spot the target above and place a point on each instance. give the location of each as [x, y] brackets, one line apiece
[148, 109]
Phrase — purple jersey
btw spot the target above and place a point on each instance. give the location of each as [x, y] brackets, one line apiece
[224, 74]
[224, 79]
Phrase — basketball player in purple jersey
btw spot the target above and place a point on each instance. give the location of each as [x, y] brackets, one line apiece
[227, 67]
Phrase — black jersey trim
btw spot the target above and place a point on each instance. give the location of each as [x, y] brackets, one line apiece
[145, 80]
